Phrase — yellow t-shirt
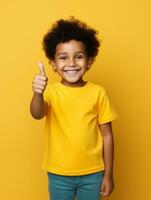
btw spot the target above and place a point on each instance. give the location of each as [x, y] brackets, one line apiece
[73, 141]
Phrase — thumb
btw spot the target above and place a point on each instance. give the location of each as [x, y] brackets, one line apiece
[41, 68]
[102, 189]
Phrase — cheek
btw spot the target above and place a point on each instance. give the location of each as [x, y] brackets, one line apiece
[60, 64]
[83, 64]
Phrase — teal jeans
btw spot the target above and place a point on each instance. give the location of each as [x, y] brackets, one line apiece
[83, 187]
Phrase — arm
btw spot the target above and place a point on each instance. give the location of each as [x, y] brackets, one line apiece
[108, 156]
[108, 150]
[38, 107]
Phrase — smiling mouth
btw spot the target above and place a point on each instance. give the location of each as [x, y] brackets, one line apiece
[72, 73]
[73, 70]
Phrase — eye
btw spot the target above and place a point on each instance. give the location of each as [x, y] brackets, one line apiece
[79, 57]
[62, 58]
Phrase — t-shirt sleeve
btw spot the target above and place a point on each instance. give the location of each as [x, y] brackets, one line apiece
[106, 111]
[46, 95]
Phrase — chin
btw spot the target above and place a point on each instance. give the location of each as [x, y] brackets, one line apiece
[72, 80]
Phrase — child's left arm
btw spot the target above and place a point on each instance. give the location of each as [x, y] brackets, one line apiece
[108, 154]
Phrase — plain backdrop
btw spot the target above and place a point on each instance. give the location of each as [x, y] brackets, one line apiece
[123, 67]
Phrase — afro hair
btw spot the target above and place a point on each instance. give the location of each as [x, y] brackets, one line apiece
[65, 30]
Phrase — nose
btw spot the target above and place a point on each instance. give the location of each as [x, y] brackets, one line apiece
[71, 62]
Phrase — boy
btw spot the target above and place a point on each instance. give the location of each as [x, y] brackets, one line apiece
[79, 140]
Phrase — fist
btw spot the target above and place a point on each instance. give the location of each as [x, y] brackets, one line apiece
[40, 80]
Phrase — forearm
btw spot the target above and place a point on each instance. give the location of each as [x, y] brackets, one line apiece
[37, 106]
[108, 154]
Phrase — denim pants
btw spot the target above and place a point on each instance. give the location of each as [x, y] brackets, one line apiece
[83, 187]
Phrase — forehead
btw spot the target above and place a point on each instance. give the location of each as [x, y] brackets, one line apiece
[71, 46]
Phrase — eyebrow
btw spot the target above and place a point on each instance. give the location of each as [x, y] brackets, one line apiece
[67, 53]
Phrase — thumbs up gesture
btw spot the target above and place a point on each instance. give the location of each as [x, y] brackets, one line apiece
[40, 80]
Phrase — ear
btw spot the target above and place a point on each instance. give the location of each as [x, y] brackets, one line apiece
[53, 65]
[90, 60]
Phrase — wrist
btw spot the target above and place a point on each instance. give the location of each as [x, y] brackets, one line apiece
[108, 173]
[38, 94]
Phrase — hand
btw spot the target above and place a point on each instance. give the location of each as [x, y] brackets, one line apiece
[40, 80]
[107, 185]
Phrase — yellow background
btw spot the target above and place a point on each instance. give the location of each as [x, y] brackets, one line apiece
[123, 67]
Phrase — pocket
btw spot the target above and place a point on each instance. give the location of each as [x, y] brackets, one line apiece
[99, 174]
[49, 174]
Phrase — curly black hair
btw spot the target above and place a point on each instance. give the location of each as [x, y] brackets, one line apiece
[65, 30]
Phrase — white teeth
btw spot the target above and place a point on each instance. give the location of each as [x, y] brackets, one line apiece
[71, 72]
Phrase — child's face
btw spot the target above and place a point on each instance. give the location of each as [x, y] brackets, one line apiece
[71, 62]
